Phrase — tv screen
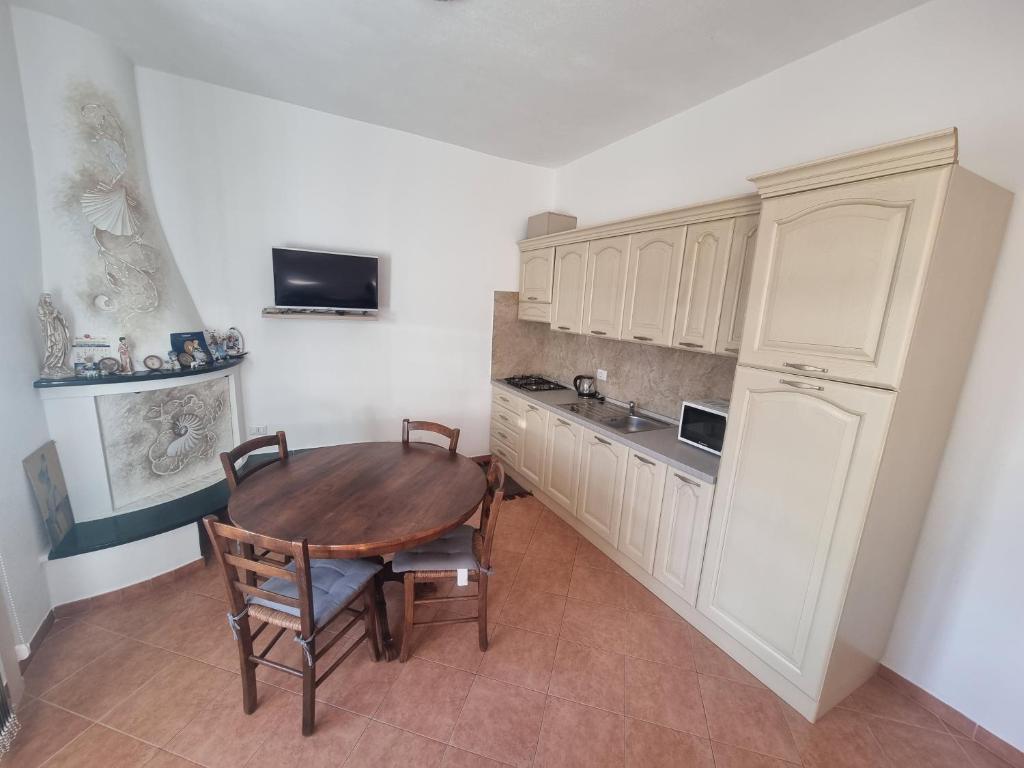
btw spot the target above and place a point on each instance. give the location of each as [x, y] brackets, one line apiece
[328, 280]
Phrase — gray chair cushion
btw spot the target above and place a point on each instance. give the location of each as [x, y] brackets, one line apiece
[450, 552]
[335, 582]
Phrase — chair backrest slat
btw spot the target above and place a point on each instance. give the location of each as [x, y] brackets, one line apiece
[228, 459]
[452, 433]
[490, 508]
[235, 551]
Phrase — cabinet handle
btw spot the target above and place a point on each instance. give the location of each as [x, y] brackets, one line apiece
[643, 460]
[531, 298]
[503, 417]
[599, 333]
[531, 407]
[503, 398]
[691, 344]
[503, 434]
[601, 440]
[643, 338]
[685, 479]
[805, 367]
[563, 421]
[564, 328]
[800, 384]
[734, 350]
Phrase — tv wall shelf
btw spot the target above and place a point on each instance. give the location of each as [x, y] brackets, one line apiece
[291, 312]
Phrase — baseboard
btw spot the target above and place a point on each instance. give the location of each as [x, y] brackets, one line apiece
[37, 640]
[956, 720]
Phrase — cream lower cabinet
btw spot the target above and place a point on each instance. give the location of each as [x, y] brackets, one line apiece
[702, 285]
[737, 286]
[534, 442]
[682, 533]
[794, 487]
[603, 466]
[838, 274]
[641, 509]
[570, 283]
[562, 461]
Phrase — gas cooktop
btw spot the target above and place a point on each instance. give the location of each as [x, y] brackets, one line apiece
[532, 383]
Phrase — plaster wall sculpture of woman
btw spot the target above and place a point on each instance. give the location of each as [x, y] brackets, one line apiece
[56, 340]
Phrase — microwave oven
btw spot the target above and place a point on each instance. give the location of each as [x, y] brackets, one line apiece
[702, 423]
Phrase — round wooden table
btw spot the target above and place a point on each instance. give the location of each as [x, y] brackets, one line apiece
[361, 499]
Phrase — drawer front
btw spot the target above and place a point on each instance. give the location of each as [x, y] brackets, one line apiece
[538, 313]
[510, 402]
[508, 456]
[506, 418]
[510, 437]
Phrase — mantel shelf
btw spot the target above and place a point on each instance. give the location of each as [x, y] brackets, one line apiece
[138, 376]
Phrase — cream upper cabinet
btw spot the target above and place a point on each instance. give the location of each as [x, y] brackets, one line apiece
[641, 509]
[838, 276]
[605, 287]
[602, 475]
[536, 272]
[534, 440]
[562, 461]
[737, 286]
[682, 533]
[796, 478]
[652, 285]
[570, 281]
[705, 266]
[535, 313]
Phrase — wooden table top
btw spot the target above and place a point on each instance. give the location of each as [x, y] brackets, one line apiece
[360, 499]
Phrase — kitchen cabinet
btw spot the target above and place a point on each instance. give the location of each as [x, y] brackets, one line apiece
[534, 441]
[702, 285]
[605, 287]
[537, 313]
[536, 273]
[838, 274]
[570, 282]
[737, 286]
[641, 509]
[795, 482]
[562, 461]
[682, 533]
[652, 285]
[603, 466]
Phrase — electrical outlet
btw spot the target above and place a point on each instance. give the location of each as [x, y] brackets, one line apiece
[255, 430]
[602, 374]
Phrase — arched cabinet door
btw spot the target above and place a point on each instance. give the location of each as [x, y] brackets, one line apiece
[606, 285]
[602, 476]
[682, 533]
[737, 286]
[838, 276]
[798, 469]
[562, 461]
[652, 285]
[570, 280]
[536, 270]
[705, 265]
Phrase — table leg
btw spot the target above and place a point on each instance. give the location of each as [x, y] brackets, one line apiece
[387, 642]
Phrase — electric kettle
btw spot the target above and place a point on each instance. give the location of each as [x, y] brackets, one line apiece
[585, 386]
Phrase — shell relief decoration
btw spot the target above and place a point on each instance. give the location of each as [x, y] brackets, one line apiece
[129, 262]
[186, 433]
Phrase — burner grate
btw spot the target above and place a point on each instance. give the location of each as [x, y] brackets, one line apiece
[532, 383]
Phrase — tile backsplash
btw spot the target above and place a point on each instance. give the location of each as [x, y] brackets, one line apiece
[657, 378]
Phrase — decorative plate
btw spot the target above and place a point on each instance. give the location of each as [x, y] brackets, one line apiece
[153, 362]
[108, 365]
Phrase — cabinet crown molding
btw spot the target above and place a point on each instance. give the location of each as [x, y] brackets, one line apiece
[724, 208]
[927, 151]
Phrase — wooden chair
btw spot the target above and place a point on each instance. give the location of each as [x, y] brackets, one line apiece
[304, 597]
[440, 560]
[230, 458]
[451, 433]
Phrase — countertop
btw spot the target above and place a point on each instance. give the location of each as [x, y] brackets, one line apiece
[661, 444]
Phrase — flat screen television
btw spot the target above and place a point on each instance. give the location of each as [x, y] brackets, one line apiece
[321, 280]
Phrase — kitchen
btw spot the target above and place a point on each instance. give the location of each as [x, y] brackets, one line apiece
[839, 292]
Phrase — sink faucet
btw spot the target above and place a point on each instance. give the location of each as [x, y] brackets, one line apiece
[632, 408]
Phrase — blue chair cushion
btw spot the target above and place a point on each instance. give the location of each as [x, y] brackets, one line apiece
[335, 582]
[449, 552]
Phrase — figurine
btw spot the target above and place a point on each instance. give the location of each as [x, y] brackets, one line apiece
[55, 340]
[125, 353]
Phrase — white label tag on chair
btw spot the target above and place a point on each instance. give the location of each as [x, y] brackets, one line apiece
[462, 577]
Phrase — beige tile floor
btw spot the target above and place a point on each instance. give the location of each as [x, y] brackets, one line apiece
[585, 668]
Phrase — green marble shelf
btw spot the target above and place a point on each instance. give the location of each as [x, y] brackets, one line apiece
[121, 378]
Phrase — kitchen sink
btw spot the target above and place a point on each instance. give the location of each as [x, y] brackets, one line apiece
[614, 417]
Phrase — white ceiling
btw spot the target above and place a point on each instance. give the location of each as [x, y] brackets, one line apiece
[542, 81]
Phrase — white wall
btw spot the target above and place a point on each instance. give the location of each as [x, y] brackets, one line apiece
[950, 62]
[23, 540]
[234, 175]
